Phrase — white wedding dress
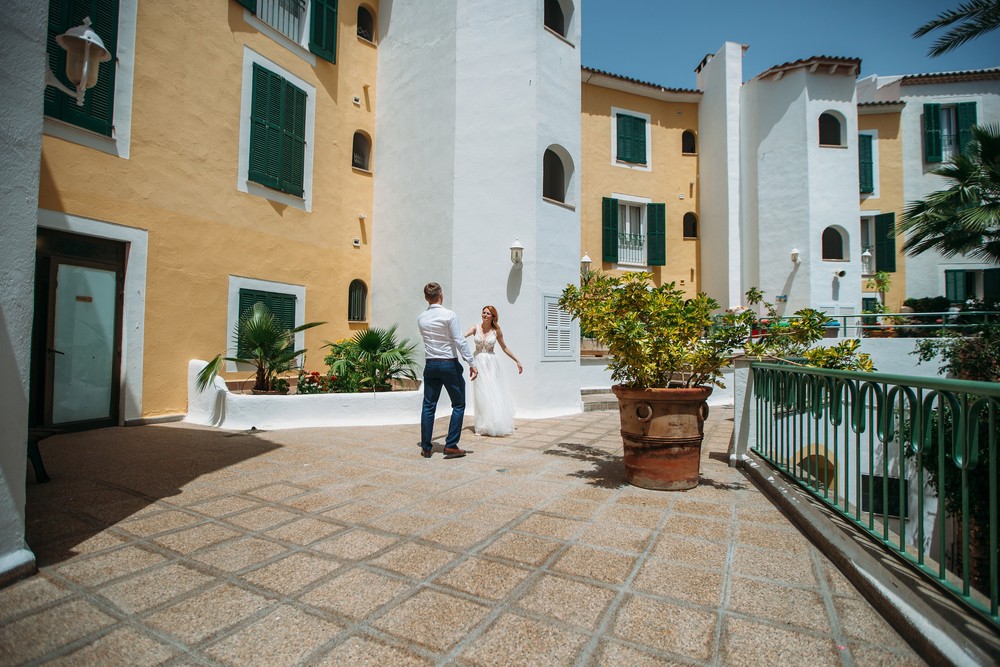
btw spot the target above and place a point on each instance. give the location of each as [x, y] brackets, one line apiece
[494, 406]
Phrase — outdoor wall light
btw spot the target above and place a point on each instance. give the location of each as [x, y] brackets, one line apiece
[516, 253]
[585, 262]
[794, 255]
[85, 51]
[866, 261]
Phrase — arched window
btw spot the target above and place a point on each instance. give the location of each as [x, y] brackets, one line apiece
[357, 301]
[366, 25]
[688, 143]
[830, 132]
[553, 177]
[361, 155]
[690, 226]
[556, 17]
[833, 243]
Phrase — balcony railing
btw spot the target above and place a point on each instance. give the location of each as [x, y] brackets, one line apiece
[285, 16]
[632, 249]
[912, 462]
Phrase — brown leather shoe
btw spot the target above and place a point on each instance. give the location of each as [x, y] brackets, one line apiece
[453, 452]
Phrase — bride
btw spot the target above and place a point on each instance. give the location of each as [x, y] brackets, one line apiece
[494, 406]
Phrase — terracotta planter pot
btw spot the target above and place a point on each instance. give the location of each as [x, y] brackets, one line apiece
[662, 431]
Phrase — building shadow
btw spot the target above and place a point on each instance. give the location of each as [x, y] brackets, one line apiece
[100, 477]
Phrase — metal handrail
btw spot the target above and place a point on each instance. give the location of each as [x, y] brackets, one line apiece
[896, 456]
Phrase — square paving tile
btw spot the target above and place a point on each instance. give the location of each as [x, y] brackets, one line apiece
[304, 531]
[404, 523]
[154, 587]
[360, 651]
[616, 536]
[639, 517]
[261, 518]
[413, 560]
[29, 594]
[355, 593]
[859, 620]
[433, 619]
[221, 506]
[124, 646]
[748, 643]
[283, 637]
[159, 523]
[786, 537]
[705, 528]
[275, 492]
[595, 564]
[570, 601]
[102, 567]
[291, 573]
[239, 554]
[196, 618]
[459, 534]
[668, 627]
[613, 654]
[484, 578]
[767, 600]
[674, 580]
[192, 539]
[514, 640]
[711, 555]
[774, 564]
[21, 641]
[550, 526]
[522, 548]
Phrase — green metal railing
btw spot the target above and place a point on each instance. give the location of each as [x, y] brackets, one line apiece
[911, 461]
[911, 325]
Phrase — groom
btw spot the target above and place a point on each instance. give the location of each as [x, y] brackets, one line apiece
[442, 340]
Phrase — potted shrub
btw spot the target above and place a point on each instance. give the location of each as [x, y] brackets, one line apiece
[267, 344]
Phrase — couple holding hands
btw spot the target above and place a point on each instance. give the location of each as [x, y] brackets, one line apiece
[444, 340]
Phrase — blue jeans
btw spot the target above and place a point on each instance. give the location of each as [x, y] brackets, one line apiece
[445, 373]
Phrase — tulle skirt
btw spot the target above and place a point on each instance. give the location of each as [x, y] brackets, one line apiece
[494, 406]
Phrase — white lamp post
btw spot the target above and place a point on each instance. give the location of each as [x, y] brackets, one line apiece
[85, 51]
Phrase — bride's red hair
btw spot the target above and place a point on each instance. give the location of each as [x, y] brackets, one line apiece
[496, 318]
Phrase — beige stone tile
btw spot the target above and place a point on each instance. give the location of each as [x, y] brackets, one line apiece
[859, 620]
[772, 564]
[495, 516]
[124, 647]
[837, 582]
[570, 601]
[158, 523]
[484, 578]
[413, 560]
[575, 509]
[305, 531]
[674, 580]
[357, 512]
[396, 499]
[192, 539]
[514, 640]
[655, 500]
[359, 651]
[522, 548]
[757, 515]
[459, 534]
[404, 523]
[616, 536]
[219, 507]
[747, 643]
[705, 528]
[667, 627]
[639, 517]
[709, 555]
[613, 654]
[595, 564]
[356, 593]
[356, 544]
[313, 502]
[261, 518]
[27, 594]
[284, 637]
[275, 492]
[433, 619]
[867, 654]
[239, 554]
[591, 493]
[716, 510]
[21, 641]
[102, 567]
[766, 600]
[554, 527]
[291, 573]
[785, 538]
[153, 587]
[201, 616]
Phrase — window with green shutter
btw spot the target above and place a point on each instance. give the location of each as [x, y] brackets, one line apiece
[97, 112]
[991, 288]
[932, 133]
[281, 305]
[885, 242]
[955, 286]
[966, 116]
[277, 133]
[656, 224]
[866, 164]
[609, 229]
[323, 29]
[631, 140]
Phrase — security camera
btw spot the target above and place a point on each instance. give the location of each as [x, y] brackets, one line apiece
[840, 274]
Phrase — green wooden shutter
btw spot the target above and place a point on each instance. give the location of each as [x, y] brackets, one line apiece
[609, 228]
[323, 32]
[866, 164]
[97, 112]
[249, 4]
[966, 116]
[885, 242]
[932, 133]
[281, 305]
[991, 288]
[656, 226]
[293, 140]
[631, 139]
[624, 139]
[277, 133]
[954, 286]
[639, 140]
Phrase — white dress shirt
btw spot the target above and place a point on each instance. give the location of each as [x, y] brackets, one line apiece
[442, 336]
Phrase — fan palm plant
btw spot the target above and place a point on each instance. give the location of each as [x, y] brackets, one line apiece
[376, 358]
[974, 19]
[265, 343]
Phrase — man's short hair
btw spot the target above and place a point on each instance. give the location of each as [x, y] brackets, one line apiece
[432, 291]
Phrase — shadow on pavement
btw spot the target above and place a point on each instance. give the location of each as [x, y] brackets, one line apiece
[607, 470]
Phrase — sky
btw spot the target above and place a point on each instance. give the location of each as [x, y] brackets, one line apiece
[662, 41]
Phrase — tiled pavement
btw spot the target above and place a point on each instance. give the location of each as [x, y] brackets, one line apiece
[179, 545]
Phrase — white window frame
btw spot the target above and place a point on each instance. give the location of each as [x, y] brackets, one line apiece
[644, 224]
[299, 48]
[243, 184]
[874, 194]
[236, 283]
[570, 351]
[614, 140]
[119, 143]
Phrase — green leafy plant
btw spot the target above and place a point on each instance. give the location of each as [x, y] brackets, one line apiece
[267, 344]
[880, 282]
[315, 383]
[371, 360]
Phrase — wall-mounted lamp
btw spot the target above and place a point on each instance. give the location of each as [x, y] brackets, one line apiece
[794, 255]
[516, 253]
[866, 261]
[839, 274]
[361, 216]
[85, 51]
[585, 262]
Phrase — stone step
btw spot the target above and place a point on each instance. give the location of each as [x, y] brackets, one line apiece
[598, 401]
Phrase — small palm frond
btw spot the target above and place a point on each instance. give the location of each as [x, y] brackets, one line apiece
[975, 19]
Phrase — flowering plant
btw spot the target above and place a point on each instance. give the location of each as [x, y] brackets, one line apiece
[314, 383]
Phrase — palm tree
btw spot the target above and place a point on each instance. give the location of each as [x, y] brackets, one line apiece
[266, 343]
[975, 19]
[376, 358]
[965, 217]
